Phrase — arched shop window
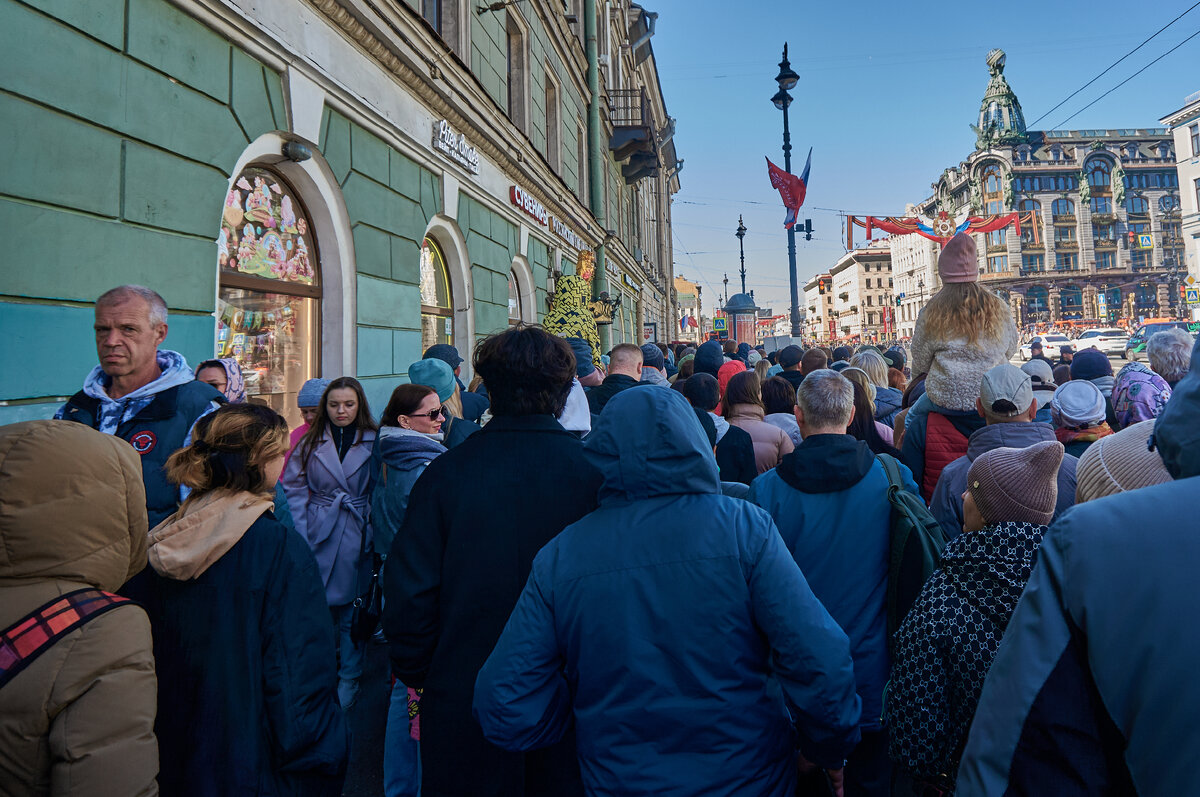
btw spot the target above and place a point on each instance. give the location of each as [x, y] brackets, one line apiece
[516, 306]
[269, 305]
[437, 303]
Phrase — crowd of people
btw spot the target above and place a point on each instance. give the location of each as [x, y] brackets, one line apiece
[660, 570]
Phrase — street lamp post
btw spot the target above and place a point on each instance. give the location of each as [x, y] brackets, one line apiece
[741, 233]
[787, 80]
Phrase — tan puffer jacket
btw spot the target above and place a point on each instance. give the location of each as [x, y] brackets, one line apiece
[771, 443]
[80, 719]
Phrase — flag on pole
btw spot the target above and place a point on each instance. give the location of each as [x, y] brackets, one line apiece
[791, 188]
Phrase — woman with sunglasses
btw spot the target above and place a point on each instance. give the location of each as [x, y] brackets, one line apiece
[437, 374]
[409, 439]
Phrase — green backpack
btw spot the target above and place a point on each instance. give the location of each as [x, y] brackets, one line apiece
[916, 548]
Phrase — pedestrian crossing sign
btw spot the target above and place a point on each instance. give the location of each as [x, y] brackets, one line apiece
[1145, 241]
[1193, 295]
[719, 325]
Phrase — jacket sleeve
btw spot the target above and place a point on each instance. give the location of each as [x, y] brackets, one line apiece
[917, 711]
[810, 655]
[521, 697]
[912, 451]
[295, 489]
[945, 506]
[102, 739]
[307, 726]
[412, 583]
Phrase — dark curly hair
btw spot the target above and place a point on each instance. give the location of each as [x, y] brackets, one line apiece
[527, 371]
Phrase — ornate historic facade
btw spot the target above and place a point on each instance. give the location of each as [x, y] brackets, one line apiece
[1107, 245]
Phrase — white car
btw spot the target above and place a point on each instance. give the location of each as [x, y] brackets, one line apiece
[1110, 340]
[1050, 344]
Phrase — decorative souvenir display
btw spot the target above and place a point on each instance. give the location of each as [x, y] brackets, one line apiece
[262, 232]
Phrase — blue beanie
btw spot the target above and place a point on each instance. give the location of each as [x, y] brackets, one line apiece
[652, 356]
[583, 356]
[709, 358]
[1090, 364]
[311, 392]
[433, 373]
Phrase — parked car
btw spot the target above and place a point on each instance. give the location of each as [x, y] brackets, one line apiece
[1135, 349]
[1110, 340]
[1050, 344]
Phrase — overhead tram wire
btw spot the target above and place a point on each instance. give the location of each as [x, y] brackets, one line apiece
[1126, 80]
[1111, 66]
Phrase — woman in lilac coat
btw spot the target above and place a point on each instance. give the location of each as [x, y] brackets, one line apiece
[328, 485]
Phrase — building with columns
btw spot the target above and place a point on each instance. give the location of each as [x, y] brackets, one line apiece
[862, 293]
[1185, 125]
[1107, 243]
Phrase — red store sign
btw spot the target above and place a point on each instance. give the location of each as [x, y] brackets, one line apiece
[526, 202]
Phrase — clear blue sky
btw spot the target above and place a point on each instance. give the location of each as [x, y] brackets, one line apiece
[886, 96]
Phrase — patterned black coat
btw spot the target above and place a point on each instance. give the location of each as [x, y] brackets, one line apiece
[946, 645]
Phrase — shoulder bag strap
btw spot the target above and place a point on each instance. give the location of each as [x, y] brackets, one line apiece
[35, 633]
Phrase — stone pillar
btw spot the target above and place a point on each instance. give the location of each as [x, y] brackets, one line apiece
[1091, 308]
[1163, 296]
[1054, 299]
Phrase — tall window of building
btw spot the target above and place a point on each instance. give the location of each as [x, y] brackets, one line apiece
[1033, 263]
[553, 126]
[997, 264]
[517, 69]
[1028, 234]
[1063, 211]
[268, 306]
[1099, 176]
[1106, 259]
[582, 159]
[432, 11]
[437, 304]
[1138, 209]
[993, 203]
[1067, 261]
[516, 305]
[1194, 134]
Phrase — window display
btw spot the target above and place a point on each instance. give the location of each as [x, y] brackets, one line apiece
[268, 311]
[437, 305]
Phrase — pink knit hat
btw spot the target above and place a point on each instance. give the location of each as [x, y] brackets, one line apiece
[959, 261]
[1017, 484]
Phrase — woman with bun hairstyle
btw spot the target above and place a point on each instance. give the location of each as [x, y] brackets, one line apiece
[964, 331]
[247, 678]
[328, 482]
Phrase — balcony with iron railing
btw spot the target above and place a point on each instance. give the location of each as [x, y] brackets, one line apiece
[633, 136]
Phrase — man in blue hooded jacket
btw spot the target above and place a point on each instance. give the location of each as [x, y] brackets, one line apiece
[1093, 690]
[829, 499]
[674, 627]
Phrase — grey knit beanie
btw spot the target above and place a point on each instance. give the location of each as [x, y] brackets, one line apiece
[1017, 484]
[1119, 462]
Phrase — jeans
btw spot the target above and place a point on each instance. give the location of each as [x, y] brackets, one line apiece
[401, 752]
[350, 654]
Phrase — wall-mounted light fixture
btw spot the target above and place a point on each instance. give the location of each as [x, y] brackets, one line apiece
[295, 151]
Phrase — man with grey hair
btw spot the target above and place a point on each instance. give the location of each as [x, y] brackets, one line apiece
[140, 393]
[1170, 354]
[829, 500]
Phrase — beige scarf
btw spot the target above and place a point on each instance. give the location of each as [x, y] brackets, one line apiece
[186, 544]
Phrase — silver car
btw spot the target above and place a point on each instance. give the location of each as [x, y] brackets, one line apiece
[1110, 340]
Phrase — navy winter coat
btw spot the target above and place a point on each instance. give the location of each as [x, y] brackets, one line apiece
[887, 405]
[247, 672]
[664, 623]
[829, 500]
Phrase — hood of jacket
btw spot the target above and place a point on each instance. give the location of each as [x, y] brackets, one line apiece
[827, 463]
[189, 542]
[653, 376]
[1007, 435]
[576, 416]
[648, 443]
[113, 412]
[1176, 433]
[989, 567]
[72, 505]
[709, 358]
[407, 448]
[887, 400]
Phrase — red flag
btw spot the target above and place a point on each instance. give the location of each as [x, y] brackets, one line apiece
[791, 190]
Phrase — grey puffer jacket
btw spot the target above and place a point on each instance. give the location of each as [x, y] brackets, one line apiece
[956, 367]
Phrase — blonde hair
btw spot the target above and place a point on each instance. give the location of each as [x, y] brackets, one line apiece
[860, 377]
[454, 403]
[760, 369]
[873, 364]
[964, 310]
[230, 450]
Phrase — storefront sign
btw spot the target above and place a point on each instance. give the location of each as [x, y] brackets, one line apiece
[526, 202]
[454, 146]
[633, 286]
[649, 332]
[566, 233]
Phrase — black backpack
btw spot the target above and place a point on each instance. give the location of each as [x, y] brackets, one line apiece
[916, 547]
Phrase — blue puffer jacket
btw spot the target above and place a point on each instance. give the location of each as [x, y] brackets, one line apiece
[887, 404]
[666, 622]
[829, 500]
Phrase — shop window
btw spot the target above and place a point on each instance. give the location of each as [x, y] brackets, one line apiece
[437, 302]
[516, 304]
[268, 307]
